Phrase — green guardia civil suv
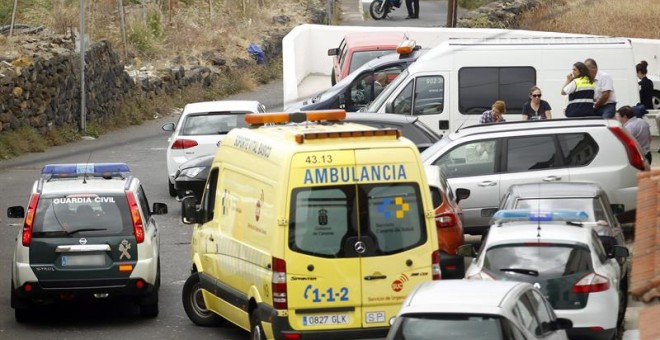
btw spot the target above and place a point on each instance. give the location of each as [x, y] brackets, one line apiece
[88, 234]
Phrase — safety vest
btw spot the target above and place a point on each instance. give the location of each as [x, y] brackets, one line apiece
[581, 102]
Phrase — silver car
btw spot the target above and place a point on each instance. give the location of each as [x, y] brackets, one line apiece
[471, 309]
[488, 158]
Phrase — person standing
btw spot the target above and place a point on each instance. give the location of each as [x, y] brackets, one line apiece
[536, 108]
[645, 86]
[637, 127]
[413, 9]
[495, 114]
[604, 99]
[580, 88]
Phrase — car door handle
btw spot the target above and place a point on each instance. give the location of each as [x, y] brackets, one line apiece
[487, 184]
[375, 277]
[552, 178]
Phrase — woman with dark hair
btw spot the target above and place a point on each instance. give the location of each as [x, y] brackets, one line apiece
[580, 88]
[645, 85]
[536, 108]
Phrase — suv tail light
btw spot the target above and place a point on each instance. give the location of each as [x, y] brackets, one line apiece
[138, 228]
[279, 284]
[635, 156]
[435, 265]
[591, 283]
[29, 220]
[446, 220]
[184, 144]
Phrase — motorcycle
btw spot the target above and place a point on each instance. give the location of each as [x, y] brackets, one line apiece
[380, 8]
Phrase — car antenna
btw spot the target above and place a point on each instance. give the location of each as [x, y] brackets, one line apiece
[538, 213]
[86, 168]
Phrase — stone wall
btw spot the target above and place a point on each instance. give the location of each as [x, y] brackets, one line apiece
[498, 14]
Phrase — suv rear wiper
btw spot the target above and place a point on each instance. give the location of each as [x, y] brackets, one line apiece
[530, 272]
[68, 233]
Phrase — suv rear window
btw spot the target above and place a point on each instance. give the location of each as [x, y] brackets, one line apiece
[550, 261]
[82, 215]
[460, 326]
[212, 124]
[389, 216]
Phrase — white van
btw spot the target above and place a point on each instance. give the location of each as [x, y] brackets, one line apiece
[454, 83]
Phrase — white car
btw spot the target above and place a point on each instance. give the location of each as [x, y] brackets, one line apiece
[488, 158]
[489, 310]
[200, 128]
[566, 261]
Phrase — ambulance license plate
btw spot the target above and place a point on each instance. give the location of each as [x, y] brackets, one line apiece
[83, 260]
[325, 319]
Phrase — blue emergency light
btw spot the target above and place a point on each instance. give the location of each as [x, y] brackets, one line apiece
[513, 215]
[85, 169]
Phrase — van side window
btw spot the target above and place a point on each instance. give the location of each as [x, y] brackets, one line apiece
[531, 153]
[429, 95]
[395, 216]
[208, 200]
[578, 149]
[479, 87]
[475, 158]
[321, 218]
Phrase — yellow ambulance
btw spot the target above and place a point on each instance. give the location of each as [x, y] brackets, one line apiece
[309, 228]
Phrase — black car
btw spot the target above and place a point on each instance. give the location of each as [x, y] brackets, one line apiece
[191, 176]
[359, 88]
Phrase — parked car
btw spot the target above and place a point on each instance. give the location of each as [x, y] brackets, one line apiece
[587, 197]
[199, 129]
[357, 89]
[477, 310]
[358, 48]
[87, 234]
[448, 221]
[566, 261]
[191, 176]
[488, 158]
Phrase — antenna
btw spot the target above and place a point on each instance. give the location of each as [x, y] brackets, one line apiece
[538, 211]
[87, 168]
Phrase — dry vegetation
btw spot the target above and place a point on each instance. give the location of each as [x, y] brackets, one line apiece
[633, 19]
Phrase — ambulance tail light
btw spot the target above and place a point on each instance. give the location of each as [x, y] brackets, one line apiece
[348, 134]
[435, 265]
[279, 284]
[138, 228]
[256, 119]
[29, 220]
[184, 144]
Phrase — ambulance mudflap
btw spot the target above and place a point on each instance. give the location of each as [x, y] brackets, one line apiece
[356, 228]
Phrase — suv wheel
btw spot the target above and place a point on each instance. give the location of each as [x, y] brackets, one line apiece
[193, 304]
[171, 188]
[22, 309]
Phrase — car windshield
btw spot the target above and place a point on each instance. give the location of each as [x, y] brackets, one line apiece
[379, 101]
[212, 123]
[82, 215]
[591, 205]
[447, 326]
[538, 259]
[362, 57]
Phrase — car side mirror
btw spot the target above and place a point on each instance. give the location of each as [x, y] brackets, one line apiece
[168, 127]
[462, 194]
[189, 211]
[560, 323]
[333, 51]
[466, 250]
[159, 209]
[619, 252]
[16, 212]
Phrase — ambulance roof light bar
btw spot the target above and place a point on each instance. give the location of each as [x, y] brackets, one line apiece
[258, 119]
[301, 138]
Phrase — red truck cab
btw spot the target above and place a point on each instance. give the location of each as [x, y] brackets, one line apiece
[358, 48]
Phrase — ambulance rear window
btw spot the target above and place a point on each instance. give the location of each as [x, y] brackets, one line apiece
[325, 221]
[82, 215]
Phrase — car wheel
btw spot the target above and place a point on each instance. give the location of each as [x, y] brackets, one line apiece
[193, 304]
[22, 310]
[170, 186]
[656, 100]
[256, 330]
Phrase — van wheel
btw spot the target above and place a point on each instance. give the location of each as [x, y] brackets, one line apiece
[171, 188]
[193, 304]
[256, 331]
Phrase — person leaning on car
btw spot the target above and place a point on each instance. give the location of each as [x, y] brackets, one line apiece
[637, 127]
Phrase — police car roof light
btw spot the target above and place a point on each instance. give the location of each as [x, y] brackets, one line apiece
[348, 134]
[517, 215]
[88, 169]
[406, 47]
[256, 119]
